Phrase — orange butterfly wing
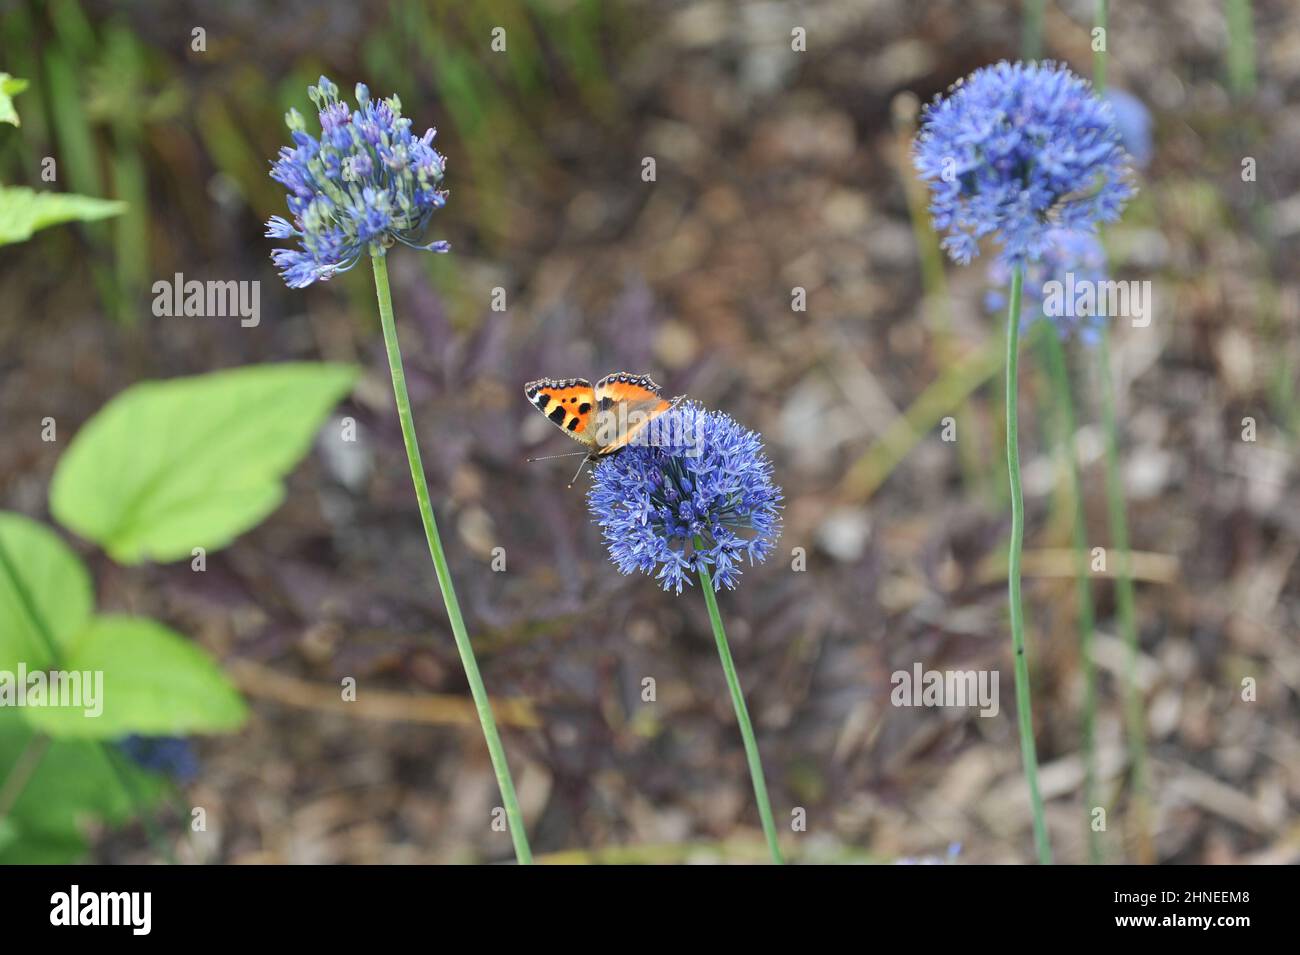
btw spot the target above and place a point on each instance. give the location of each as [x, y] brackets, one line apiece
[626, 404]
[567, 402]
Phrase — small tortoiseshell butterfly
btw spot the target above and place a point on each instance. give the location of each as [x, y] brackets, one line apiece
[605, 418]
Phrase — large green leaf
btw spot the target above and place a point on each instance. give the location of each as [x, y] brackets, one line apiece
[41, 848]
[70, 785]
[10, 86]
[192, 462]
[23, 211]
[53, 584]
[154, 683]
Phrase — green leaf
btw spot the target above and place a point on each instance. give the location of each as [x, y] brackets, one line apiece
[70, 786]
[38, 848]
[24, 211]
[52, 582]
[192, 462]
[10, 86]
[154, 683]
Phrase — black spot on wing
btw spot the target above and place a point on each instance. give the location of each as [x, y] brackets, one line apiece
[573, 424]
[557, 415]
[584, 408]
[542, 401]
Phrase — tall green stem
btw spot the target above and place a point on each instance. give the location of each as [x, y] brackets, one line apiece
[1060, 380]
[742, 717]
[1024, 714]
[1241, 49]
[482, 704]
[1031, 30]
[1134, 720]
[1101, 22]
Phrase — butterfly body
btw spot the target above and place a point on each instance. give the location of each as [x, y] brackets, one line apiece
[604, 418]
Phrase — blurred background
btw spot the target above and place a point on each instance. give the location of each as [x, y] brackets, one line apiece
[775, 169]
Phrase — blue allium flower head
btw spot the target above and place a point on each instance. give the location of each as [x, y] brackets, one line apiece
[1071, 257]
[708, 479]
[1133, 121]
[172, 755]
[367, 182]
[1015, 149]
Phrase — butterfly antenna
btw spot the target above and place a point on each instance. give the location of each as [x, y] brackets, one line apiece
[551, 457]
[581, 464]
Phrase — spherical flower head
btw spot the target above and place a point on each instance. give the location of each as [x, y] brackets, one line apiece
[367, 182]
[1015, 149]
[1070, 258]
[697, 492]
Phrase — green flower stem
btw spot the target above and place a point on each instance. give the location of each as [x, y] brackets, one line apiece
[1241, 48]
[1134, 719]
[1024, 714]
[1031, 31]
[1100, 22]
[482, 704]
[742, 716]
[1066, 423]
[160, 844]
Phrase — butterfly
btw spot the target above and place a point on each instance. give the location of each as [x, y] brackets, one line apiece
[606, 418]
